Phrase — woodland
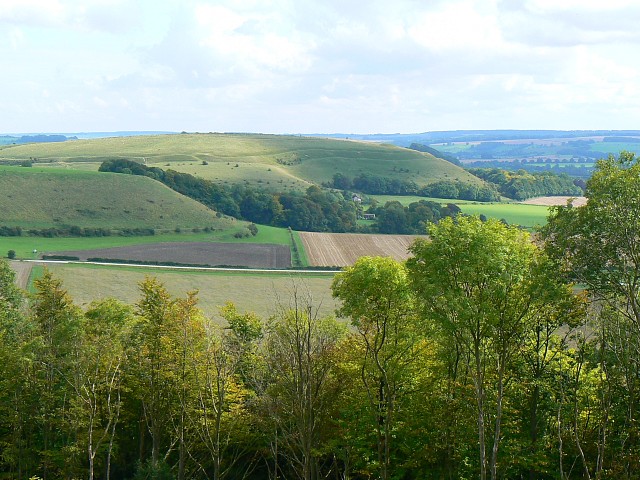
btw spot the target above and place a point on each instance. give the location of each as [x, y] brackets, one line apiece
[489, 353]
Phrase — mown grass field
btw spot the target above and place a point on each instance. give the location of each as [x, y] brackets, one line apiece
[261, 293]
[528, 216]
[297, 161]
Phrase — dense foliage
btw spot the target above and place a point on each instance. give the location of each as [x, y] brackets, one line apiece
[520, 185]
[393, 217]
[580, 167]
[379, 185]
[74, 231]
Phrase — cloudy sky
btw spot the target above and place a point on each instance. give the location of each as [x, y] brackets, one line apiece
[301, 66]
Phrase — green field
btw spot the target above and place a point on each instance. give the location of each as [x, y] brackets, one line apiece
[528, 216]
[262, 293]
[297, 161]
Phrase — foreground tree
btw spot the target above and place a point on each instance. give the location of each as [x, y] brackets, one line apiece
[222, 421]
[18, 401]
[481, 282]
[58, 324]
[375, 295]
[105, 346]
[154, 373]
[597, 245]
[300, 356]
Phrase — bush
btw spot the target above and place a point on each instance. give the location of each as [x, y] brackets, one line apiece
[11, 254]
[149, 471]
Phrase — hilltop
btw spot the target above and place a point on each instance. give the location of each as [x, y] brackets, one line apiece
[271, 161]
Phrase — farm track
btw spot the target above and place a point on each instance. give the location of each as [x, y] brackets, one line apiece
[344, 249]
[23, 270]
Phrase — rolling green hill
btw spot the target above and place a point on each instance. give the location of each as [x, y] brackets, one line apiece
[272, 161]
[44, 197]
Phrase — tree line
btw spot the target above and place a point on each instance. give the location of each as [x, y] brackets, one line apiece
[522, 184]
[395, 218]
[485, 355]
[379, 185]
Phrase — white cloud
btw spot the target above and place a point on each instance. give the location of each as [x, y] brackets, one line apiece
[304, 65]
[570, 22]
[458, 25]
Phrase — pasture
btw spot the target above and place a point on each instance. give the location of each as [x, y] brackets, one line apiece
[528, 216]
[24, 246]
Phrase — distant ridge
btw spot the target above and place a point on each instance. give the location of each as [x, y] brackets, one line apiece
[445, 136]
[86, 135]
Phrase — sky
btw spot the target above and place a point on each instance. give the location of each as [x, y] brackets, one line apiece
[325, 66]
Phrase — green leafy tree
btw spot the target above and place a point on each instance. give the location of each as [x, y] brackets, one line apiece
[375, 295]
[300, 357]
[18, 401]
[154, 378]
[480, 282]
[222, 378]
[57, 321]
[597, 244]
[99, 375]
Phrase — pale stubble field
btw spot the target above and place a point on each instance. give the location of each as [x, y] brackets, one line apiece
[264, 293]
[343, 249]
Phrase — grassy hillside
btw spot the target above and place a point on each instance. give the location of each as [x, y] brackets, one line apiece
[275, 161]
[44, 197]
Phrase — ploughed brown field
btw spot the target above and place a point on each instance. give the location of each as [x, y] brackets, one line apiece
[343, 249]
[250, 255]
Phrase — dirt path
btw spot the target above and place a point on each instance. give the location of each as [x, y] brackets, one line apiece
[23, 270]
